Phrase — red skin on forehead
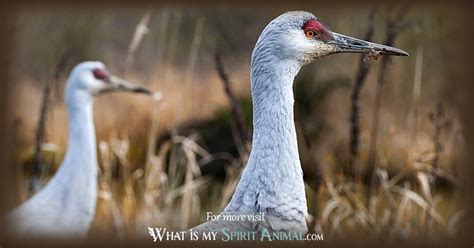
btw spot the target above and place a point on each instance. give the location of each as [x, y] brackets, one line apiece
[317, 26]
[101, 74]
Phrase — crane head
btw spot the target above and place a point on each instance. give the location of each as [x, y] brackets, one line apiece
[300, 36]
[93, 77]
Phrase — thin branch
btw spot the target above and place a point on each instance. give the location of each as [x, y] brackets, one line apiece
[234, 103]
[361, 75]
[55, 70]
[34, 183]
[394, 27]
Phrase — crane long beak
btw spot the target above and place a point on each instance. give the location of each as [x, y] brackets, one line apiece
[117, 83]
[347, 44]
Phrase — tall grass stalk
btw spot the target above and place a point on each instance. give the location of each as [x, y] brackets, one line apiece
[140, 31]
[189, 73]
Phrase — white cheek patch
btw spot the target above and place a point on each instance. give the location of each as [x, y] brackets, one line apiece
[306, 49]
[298, 40]
[322, 49]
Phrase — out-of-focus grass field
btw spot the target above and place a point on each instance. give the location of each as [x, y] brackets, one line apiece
[166, 162]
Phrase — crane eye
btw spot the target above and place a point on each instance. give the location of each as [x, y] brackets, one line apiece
[310, 33]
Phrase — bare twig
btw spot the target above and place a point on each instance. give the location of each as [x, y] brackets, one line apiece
[394, 27]
[34, 183]
[361, 75]
[234, 103]
[38, 161]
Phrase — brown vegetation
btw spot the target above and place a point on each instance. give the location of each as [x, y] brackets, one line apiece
[148, 181]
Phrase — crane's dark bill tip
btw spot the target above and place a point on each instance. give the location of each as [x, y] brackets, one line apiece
[347, 44]
[142, 90]
[394, 52]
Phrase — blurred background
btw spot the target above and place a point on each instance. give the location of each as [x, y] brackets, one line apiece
[380, 141]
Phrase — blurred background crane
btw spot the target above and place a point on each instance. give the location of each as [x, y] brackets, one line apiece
[65, 207]
[198, 165]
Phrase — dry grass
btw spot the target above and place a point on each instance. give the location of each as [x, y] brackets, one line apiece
[168, 192]
[167, 189]
[142, 184]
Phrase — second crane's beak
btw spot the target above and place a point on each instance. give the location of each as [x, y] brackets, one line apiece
[347, 44]
[118, 84]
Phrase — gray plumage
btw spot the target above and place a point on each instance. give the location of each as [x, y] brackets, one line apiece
[272, 182]
[65, 207]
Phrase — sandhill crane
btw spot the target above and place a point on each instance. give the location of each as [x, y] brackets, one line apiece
[272, 182]
[65, 207]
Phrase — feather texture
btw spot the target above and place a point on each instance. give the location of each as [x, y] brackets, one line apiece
[272, 182]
